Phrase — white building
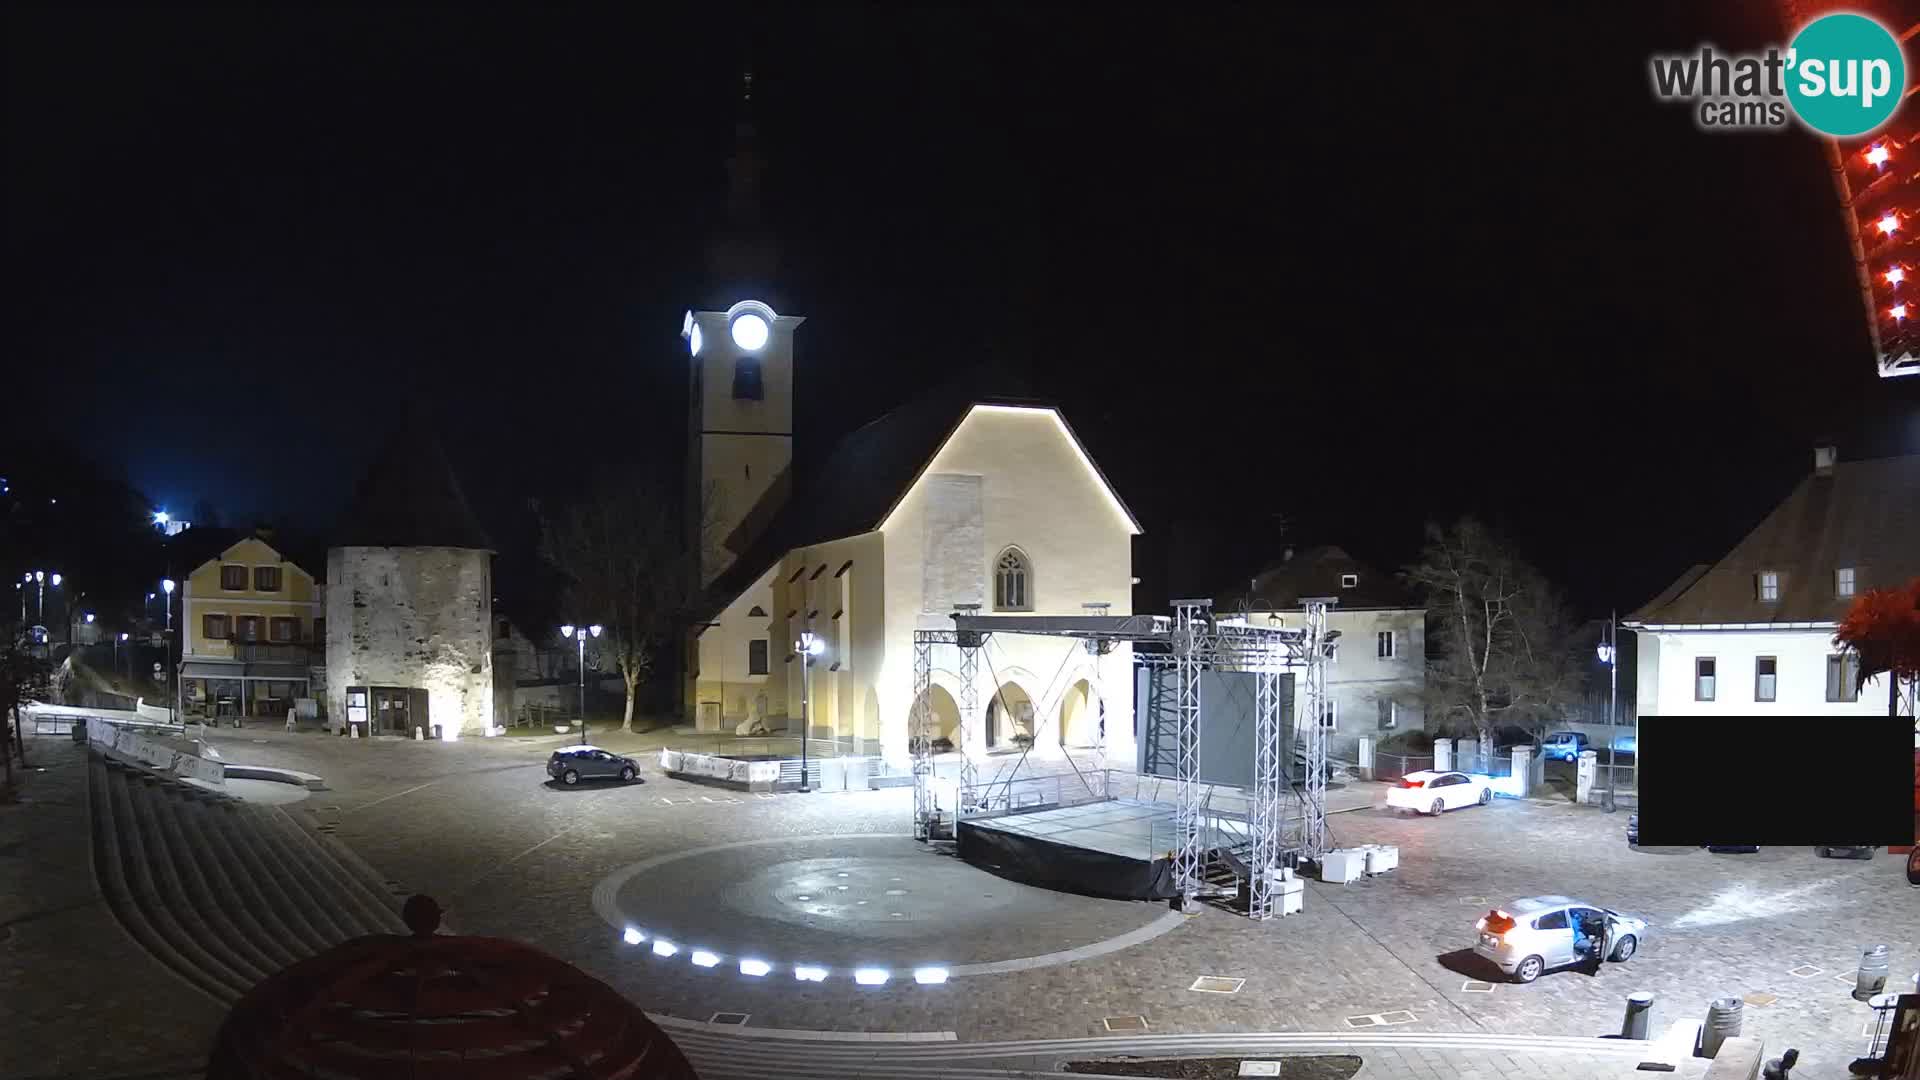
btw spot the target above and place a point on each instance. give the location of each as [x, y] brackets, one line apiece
[958, 498]
[1752, 634]
[1377, 667]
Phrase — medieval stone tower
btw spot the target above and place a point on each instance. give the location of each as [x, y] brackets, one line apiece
[409, 601]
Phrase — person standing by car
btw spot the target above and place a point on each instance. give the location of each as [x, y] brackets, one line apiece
[1590, 939]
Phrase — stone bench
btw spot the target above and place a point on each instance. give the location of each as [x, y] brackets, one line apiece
[1739, 1059]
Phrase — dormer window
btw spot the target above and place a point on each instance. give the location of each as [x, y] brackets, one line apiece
[746, 379]
[1769, 586]
[1349, 581]
[1843, 583]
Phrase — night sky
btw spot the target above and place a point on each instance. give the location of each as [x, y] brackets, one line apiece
[1357, 272]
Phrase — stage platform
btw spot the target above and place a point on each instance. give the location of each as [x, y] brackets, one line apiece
[1118, 848]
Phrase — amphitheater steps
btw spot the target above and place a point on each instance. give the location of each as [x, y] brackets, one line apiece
[221, 892]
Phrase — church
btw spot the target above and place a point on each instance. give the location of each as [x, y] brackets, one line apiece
[971, 496]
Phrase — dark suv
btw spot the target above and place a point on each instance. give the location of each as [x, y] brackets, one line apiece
[572, 764]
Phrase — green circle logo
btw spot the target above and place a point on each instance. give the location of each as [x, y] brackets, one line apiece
[1846, 75]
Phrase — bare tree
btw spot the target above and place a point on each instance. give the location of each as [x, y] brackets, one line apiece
[1504, 643]
[23, 678]
[631, 569]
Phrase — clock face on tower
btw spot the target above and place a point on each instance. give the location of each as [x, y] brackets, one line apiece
[749, 331]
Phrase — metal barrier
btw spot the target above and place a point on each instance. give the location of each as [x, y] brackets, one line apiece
[995, 797]
[1392, 767]
[1495, 764]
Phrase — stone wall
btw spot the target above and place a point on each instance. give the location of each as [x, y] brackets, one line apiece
[413, 617]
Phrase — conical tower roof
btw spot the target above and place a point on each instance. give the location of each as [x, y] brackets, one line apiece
[410, 498]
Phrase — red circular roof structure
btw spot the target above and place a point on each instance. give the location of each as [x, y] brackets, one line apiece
[425, 1007]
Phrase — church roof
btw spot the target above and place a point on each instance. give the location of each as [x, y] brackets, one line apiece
[410, 498]
[866, 475]
[1863, 515]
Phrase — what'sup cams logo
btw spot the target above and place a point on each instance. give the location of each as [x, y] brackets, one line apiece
[1843, 75]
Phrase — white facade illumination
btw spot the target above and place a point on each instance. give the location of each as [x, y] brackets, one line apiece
[663, 947]
[1793, 681]
[870, 976]
[808, 973]
[750, 332]
[930, 976]
[755, 968]
[632, 936]
[703, 958]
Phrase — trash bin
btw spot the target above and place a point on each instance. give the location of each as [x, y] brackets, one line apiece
[1872, 978]
[1723, 1023]
[1639, 1019]
[80, 729]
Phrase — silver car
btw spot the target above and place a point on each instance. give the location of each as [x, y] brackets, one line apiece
[1528, 937]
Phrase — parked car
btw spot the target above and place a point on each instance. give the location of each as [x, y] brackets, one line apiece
[572, 764]
[1535, 935]
[1431, 792]
[1563, 746]
[1731, 849]
[1844, 851]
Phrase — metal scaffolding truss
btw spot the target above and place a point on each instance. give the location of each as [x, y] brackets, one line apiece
[1307, 831]
[1176, 651]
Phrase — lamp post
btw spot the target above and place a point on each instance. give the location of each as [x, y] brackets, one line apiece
[39, 578]
[117, 642]
[809, 646]
[1610, 655]
[580, 634]
[179, 684]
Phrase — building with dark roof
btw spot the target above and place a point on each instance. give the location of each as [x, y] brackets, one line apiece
[409, 600]
[1753, 631]
[1376, 675]
[962, 496]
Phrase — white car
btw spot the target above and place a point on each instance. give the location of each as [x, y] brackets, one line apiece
[1430, 792]
[1528, 937]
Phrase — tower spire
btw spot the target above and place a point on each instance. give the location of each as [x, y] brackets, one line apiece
[742, 257]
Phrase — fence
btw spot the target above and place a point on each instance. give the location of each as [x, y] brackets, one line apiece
[989, 798]
[1391, 767]
[1494, 763]
[1623, 776]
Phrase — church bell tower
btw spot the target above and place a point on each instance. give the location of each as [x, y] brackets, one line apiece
[740, 408]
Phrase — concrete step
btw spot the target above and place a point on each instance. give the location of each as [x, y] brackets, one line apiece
[192, 904]
[370, 912]
[387, 894]
[137, 900]
[187, 829]
[234, 846]
[309, 901]
[110, 872]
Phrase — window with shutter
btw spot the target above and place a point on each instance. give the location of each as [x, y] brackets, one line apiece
[233, 578]
[1766, 678]
[1703, 678]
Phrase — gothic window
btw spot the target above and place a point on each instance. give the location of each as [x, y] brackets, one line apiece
[1012, 582]
[746, 379]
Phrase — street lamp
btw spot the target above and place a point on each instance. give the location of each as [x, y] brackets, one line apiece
[809, 646]
[1609, 651]
[39, 579]
[580, 634]
[117, 642]
[179, 684]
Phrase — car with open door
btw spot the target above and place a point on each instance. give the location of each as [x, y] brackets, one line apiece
[1529, 937]
[1431, 791]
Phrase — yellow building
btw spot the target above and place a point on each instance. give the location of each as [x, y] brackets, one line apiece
[250, 628]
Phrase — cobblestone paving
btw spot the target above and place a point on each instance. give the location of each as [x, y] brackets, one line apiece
[67, 970]
[477, 827]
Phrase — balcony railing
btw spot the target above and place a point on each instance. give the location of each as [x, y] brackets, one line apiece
[259, 652]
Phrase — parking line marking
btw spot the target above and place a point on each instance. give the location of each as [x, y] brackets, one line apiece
[1476, 986]
[1217, 984]
[1805, 971]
